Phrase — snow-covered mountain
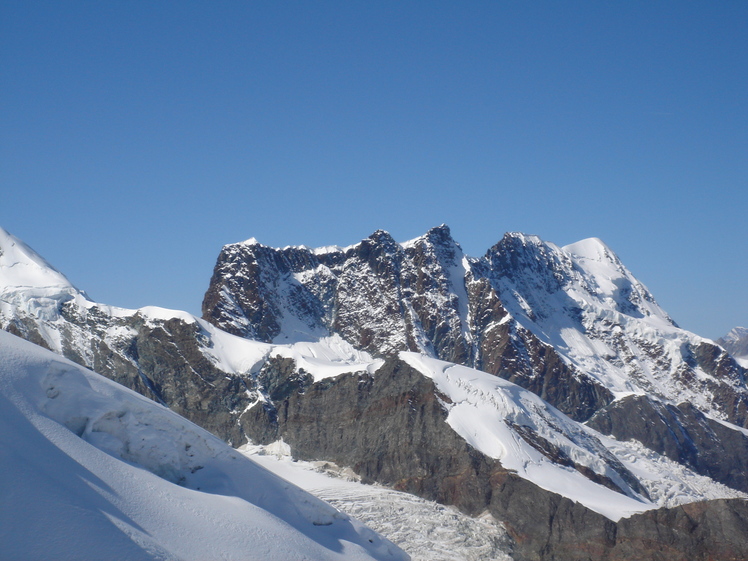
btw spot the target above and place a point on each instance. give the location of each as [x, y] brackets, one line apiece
[571, 324]
[736, 343]
[92, 470]
[513, 385]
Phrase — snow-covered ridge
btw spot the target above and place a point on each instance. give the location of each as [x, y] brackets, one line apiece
[30, 286]
[500, 419]
[29, 283]
[22, 267]
[323, 250]
[425, 295]
[99, 471]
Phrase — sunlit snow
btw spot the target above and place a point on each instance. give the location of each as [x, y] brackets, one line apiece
[92, 470]
[483, 408]
[426, 530]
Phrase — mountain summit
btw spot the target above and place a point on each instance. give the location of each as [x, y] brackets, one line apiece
[736, 342]
[571, 324]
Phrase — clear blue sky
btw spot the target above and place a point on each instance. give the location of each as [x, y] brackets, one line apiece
[136, 138]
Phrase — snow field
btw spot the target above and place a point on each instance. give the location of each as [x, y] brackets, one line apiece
[92, 470]
[482, 408]
[426, 530]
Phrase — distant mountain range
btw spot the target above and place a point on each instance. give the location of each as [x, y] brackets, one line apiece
[541, 384]
[736, 343]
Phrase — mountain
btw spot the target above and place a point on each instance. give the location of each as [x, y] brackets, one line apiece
[92, 470]
[570, 324]
[513, 384]
[736, 343]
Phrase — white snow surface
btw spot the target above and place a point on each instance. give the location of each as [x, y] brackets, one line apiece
[426, 530]
[483, 409]
[29, 282]
[92, 470]
[22, 267]
[326, 358]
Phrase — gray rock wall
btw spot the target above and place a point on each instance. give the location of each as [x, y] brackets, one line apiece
[391, 428]
[682, 433]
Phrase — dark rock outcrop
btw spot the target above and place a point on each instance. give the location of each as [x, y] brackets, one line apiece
[547, 527]
[160, 359]
[390, 428]
[706, 531]
[682, 433]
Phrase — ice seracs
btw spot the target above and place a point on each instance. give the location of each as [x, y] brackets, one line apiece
[28, 284]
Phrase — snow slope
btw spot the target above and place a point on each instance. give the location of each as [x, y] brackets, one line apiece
[28, 282]
[426, 530]
[736, 343]
[501, 420]
[91, 470]
[582, 300]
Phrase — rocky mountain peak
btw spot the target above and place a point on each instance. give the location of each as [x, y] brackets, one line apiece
[381, 252]
[437, 240]
[440, 235]
[527, 266]
[567, 322]
[382, 237]
[736, 342]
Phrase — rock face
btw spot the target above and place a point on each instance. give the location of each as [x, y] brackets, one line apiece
[682, 433]
[391, 428]
[704, 531]
[384, 297]
[570, 324]
[698, 531]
